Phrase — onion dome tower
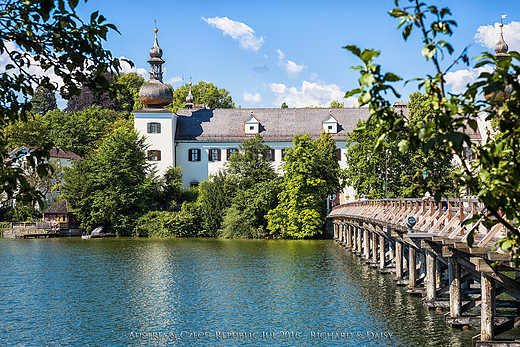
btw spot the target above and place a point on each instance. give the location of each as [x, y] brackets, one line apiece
[190, 99]
[155, 94]
[501, 49]
[157, 123]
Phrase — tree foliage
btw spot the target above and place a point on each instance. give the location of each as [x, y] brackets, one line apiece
[215, 195]
[80, 131]
[51, 35]
[494, 176]
[311, 173]
[336, 104]
[388, 172]
[233, 203]
[251, 163]
[128, 96]
[167, 224]
[204, 93]
[112, 187]
[43, 100]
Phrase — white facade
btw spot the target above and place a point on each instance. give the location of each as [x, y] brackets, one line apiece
[200, 141]
[159, 128]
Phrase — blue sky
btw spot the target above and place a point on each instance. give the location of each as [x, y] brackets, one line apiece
[266, 52]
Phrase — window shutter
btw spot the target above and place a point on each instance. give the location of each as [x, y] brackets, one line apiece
[158, 155]
[148, 126]
[218, 154]
[338, 153]
[272, 154]
[198, 154]
[209, 154]
[228, 153]
[159, 127]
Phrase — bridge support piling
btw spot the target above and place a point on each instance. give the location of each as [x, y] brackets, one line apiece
[349, 236]
[358, 241]
[487, 310]
[382, 260]
[454, 280]
[374, 248]
[431, 281]
[412, 282]
[366, 244]
[398, 261]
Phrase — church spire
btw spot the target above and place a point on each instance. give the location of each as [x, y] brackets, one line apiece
[155, 94]
[156, 60]
[190, 99]
[501, 47]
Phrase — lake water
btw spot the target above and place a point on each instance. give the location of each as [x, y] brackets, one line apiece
[205, 292]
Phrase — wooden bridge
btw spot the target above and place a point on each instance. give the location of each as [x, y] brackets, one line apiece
[424, 244]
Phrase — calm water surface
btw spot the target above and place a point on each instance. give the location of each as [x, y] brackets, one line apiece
[205, 292]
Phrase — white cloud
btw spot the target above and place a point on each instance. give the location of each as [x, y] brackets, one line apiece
[255, 98]
[290, 67]
[459, 79]
[239, 31]
[126, 68]
[310, 94]
[488, 35]
[173, 80]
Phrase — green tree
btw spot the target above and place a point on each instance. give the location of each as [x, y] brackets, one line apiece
[43, 100]
[388, 172]
[336, 104]
[204, 93]
[51, 34]
[33, 132]
[494, 176]
[311, 173]
[257, 187]
[251, 163]
[215, 195]
[113, 186]
[128, 97]
[81, 131]
[284, 105]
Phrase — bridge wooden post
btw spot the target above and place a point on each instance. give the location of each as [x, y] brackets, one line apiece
[399, 260]
[349, 236]
[359, 236]
[431, 282]
[374, 247]
[412, 282]
[355, 237]
[391, 249]
[454, 280]
[366, 244]
[487, 310]
[382, 260]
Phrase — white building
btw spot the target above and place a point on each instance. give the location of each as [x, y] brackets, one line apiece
[200, 140]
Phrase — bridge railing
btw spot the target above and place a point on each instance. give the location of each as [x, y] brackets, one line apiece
[448, 219]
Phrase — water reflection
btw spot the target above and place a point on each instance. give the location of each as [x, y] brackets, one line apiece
[281, 293]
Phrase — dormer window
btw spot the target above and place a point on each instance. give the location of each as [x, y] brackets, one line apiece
[330, 125]
[252, 125]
